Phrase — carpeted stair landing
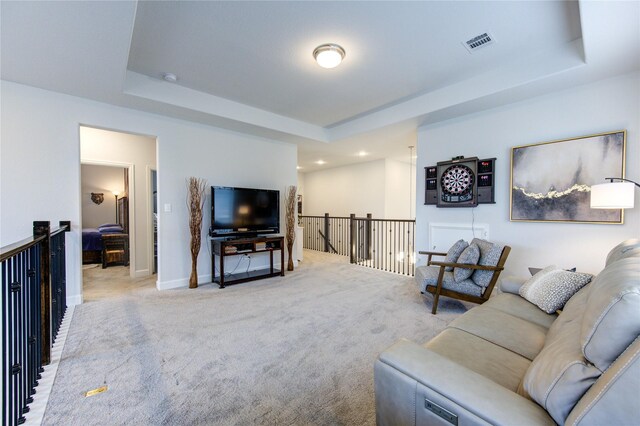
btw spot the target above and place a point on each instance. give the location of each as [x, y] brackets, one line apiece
[297, 350]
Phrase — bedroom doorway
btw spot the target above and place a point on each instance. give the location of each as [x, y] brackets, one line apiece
[105, 226]
[124, 228]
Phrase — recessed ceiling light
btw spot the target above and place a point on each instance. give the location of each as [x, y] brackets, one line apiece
[321, 162]
[329, 55]
[170, 77]
[298, 167]
[362, 153]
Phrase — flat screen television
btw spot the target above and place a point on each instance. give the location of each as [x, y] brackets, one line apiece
[244, 211]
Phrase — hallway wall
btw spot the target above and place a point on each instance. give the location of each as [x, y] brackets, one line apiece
[52, 148]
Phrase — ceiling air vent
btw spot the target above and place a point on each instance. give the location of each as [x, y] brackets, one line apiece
[477, 42]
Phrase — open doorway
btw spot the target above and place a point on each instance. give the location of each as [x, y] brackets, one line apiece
[124, 219]
[105, 225]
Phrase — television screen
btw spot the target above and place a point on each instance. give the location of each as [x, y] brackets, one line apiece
[237, 211]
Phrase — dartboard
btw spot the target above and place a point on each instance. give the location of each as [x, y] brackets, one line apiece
[457, 180]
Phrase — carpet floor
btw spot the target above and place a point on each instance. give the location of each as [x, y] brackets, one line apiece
[297, 350]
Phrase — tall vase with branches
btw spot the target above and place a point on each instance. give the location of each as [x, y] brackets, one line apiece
[195, 203]
[290, 221]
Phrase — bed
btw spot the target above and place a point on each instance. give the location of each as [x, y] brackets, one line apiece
[92, 244]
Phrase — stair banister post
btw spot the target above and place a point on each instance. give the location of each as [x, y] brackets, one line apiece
[352, 237]
[43, 228]
[326, 232]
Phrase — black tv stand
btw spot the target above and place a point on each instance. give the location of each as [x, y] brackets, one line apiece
[242, 246]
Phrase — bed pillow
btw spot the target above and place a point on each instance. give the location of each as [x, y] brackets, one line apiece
[454, 253]
[107, 225]
[469, 255]
[110, 229]
[552, 287]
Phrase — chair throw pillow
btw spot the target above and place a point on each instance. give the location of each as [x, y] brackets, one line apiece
[454, 253]
[552, 287]
[489, 256]
[470, 255]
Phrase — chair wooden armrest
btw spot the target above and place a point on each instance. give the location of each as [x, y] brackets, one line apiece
[430, 254]
[467, 266]
[433, 253]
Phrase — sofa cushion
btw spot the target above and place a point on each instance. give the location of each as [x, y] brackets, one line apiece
[623, 250]
[552, 287]
[454, 253]
[470, 255]
[520, 308]
[572, 313]
[489, 256]
[559, 376]
[428, 275]
[500, 328]
[491, 361]
[612, 316]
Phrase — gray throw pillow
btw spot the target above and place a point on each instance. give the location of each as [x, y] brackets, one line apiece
[552, 287]
[489, 256]
[470, 255]
[454, 253]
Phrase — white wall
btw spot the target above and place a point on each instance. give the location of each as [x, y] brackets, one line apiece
[399, 201]
[603, 106]
[102, 179]
[103, 146]
[40, 170]
[385, 188]
[340, 191]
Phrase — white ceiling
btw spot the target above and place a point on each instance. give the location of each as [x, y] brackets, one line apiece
[247, 66]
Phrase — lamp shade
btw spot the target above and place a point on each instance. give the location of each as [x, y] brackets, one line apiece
[614, 195]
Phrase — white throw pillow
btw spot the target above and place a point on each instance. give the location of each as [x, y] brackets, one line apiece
[552, 287]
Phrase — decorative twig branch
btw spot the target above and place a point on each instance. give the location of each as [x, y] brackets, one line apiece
[290, 221]
[195, 204]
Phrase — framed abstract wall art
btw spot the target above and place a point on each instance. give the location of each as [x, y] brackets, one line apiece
[551, 181]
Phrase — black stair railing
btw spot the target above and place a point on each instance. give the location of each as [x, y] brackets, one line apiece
[33, 276]
[385, 244]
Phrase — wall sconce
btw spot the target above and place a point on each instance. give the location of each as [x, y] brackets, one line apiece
[613, 195]
[97, 197]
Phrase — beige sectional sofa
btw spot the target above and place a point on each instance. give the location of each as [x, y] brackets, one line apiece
[508, 362]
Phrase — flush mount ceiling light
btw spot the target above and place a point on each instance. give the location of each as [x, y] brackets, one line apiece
[170, 77]
[329, 55]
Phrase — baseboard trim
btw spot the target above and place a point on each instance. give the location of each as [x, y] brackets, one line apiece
[141, 273]
[182, 282]
[76, 299]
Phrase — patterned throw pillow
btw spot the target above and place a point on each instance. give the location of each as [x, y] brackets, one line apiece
[489, 256]
[552, 287]
[470, 255]
[454, 253]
